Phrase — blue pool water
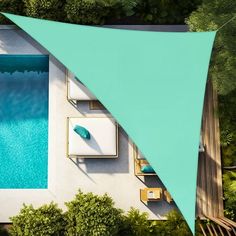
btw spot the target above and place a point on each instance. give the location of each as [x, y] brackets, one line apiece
[23, 121]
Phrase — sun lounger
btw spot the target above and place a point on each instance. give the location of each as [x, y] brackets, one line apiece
[103, 142]
[141, 165]
[76, 91]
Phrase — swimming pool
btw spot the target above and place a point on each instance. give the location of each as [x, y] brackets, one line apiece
[24, 121]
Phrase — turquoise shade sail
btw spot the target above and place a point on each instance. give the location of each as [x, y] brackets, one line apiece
[153, 83]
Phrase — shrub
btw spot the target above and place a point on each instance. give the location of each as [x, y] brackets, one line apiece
[89, 214]
[128, 7]
[88, 11]
[136, 223]
[93, 215]
[227, 115]
[45, 220]
[97, 12]
[166, 12]
[10, 6]
[45, 9]
[176, 225]
[229, 180]
[101, 11]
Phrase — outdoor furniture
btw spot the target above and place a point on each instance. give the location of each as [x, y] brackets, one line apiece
[103, 142]
[168, 197]
[96, 105]
[139, 163]
[150, 194]
[76, 91]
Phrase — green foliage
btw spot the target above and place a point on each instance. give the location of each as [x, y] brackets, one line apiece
[210, 16]
[229, 180]
[128, 7]
[88, 11]
[166, 11]
[96, 12]
[176, 225]
[229, 155]
[136, 223]
[11, 6]
[89, 214]
[226, 137]
[46, 220]
[227, 116]
[45, 9]
[227, 112]
[93, 215]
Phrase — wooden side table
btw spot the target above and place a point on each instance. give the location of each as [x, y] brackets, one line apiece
[151, 194]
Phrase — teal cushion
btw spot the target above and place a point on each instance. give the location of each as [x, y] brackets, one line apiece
[82, 132]
[147, 169]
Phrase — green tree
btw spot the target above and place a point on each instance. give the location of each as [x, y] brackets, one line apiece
[45, 220]
[10, 6]
[90, 214]
[98, 12]
[166, 11]
[92, 12]
[227, 116]
[45, 9]
[136, 223]
[210, 16]
[176, 225]
[128, 7]
[229, 180]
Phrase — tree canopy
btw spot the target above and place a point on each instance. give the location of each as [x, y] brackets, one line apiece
[95, 12]
[45, 220]
[229, 179]
[211, 15]
[90, 214]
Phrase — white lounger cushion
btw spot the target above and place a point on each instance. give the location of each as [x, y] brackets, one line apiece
[77, 91]
[103, 141]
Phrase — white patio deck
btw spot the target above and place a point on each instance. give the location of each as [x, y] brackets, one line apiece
[114, 176]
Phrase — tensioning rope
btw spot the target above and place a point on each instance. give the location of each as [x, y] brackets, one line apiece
[226, 23]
